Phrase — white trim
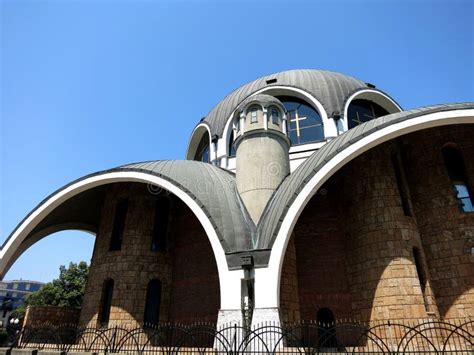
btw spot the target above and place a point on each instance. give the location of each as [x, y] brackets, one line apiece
[370, 95]
[193, 144]
[267, 280]
[229, 288]
[329, 126]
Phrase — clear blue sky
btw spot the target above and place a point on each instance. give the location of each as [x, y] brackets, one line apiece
[89, 85]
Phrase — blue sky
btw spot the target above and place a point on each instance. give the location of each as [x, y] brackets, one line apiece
[89, 85]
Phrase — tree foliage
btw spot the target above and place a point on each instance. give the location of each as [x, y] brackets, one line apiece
[65, 291]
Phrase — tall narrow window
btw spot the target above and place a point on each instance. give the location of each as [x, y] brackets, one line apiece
[231, 145]
[203, 150]
[106, 302]
[153, 301]
[119, 225]
[253, 114]
[160, 227]
[457, 172]
[275, 116]
[402, 184]
[420, 271]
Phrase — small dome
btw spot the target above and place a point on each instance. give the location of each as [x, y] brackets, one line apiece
[263, 99]
[331, 89]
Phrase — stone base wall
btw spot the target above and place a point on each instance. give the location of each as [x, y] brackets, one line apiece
[289, 296]
[186, 268]
[321, 258]
[354, 246]
[51, 315]
[447, 233]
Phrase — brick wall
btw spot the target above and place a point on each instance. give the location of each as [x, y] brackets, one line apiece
[195, 292]
[354, 244]
[135, 265]
[447, 232]
[379, 241]
[289, 295]
[51, 314]
[321, 260]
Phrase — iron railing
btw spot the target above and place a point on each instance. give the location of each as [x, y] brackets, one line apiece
[424, 337]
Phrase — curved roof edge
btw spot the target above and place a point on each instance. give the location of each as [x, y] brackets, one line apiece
[211, 187]
[328, 87]
[284, 196]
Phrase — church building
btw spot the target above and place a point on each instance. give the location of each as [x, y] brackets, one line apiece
[304, 195]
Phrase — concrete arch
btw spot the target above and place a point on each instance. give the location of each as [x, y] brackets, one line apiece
[16, 244]
[199, 132]
[375, 96]
[267, 291]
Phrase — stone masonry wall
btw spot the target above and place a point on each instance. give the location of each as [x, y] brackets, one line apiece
[135, 265]
[321, 258]
[195, 292]
[289, 295]
[380, 239]
[447, 232]
[51, 315]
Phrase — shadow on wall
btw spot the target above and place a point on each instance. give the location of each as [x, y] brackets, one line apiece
[353, 249]
[148, 239]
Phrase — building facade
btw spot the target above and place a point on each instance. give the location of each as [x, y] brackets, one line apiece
[12, 295]
[305, 195]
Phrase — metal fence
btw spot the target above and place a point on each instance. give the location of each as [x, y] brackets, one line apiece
[429, 337]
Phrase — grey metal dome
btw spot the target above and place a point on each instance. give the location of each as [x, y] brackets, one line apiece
[261, 98]
[331, 89]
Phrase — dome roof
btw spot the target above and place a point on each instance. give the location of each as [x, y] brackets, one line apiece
[260, 98]
[329, 88]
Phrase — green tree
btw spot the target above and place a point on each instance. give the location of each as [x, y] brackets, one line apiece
[65, 291]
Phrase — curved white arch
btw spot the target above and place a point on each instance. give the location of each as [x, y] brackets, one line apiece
[267, 281]
[376, 96]
[198, 132]
[9, 251]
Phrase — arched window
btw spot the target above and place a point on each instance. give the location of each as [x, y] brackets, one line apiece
[274, 115]
[361, 111]
[253, 114]
[454, 163]
[305, 123]
[106, 302]
[153, 301]
[160, 226]
[202, 151]
[326, 327]
[231, 145]
[119, 225]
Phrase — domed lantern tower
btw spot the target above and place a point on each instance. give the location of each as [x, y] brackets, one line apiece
[262, 145]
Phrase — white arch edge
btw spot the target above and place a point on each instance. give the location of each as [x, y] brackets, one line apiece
[365, 91]
[267, 290]
[228, 286]
[191, 150]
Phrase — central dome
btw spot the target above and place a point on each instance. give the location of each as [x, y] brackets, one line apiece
[331, 89]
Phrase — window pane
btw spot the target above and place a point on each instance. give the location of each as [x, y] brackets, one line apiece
[253, 115]
[361, 111]
[305, 123]
[153, 302]
[464, 198]
[202, 151]
[231, 145]
[160, 227]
